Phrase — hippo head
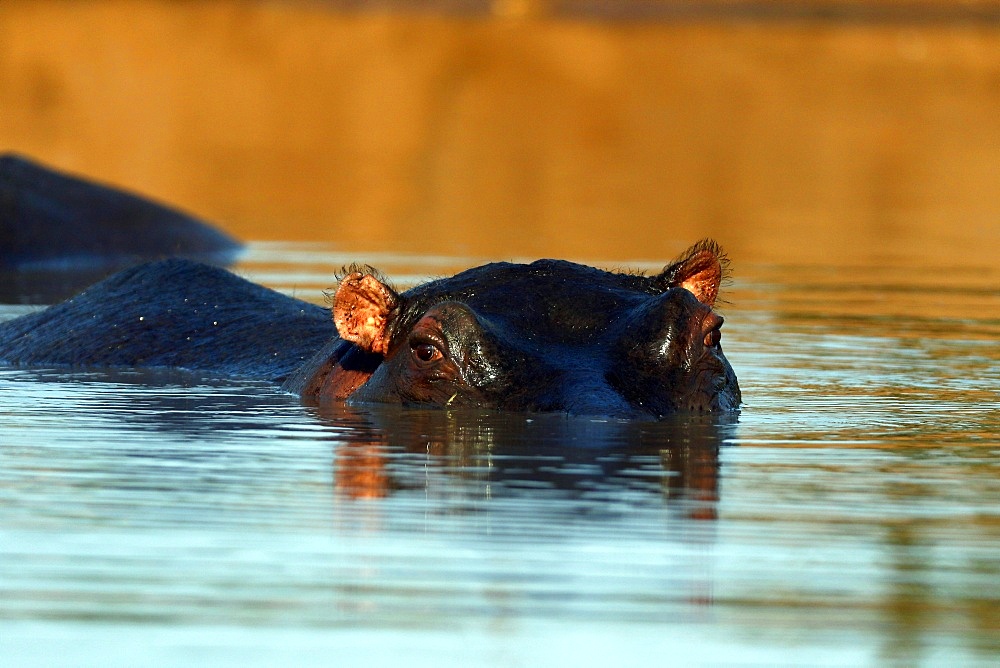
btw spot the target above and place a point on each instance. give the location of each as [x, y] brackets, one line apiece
[546, 336]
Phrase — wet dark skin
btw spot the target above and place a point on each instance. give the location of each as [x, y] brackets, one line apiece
[549, 336]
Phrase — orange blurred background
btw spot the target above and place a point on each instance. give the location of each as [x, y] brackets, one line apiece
[520, 129]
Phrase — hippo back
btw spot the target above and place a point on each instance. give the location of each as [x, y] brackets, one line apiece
[172, 313]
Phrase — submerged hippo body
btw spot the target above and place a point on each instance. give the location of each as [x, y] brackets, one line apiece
[546, 336]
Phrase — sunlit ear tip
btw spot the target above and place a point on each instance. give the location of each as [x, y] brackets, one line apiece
[704, 251]
[347, 280]
[709, 247]
[701, 269]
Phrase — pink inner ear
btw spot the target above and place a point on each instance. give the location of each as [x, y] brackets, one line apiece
[702, 276]
[362, 310]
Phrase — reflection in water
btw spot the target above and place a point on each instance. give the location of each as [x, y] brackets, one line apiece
[492, 454]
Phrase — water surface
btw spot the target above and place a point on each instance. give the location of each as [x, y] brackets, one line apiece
[848, 516]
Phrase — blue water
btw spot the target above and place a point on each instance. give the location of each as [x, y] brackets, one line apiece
[849, 516]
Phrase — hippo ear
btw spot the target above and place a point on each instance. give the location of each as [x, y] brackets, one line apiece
[363, 309]
[700, 270]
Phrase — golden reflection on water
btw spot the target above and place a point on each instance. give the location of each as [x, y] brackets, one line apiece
[545, 135]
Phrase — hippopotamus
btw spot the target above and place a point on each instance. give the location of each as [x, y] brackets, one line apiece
[551, 335]
[59, 233]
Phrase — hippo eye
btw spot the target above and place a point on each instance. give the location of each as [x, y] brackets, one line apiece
[426, 352]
